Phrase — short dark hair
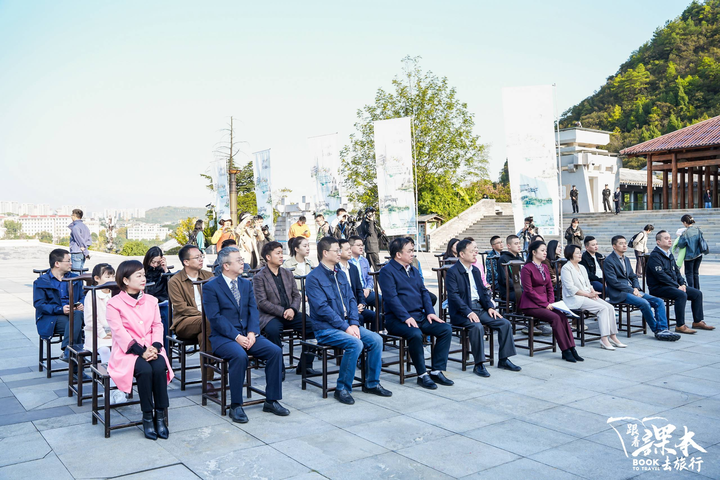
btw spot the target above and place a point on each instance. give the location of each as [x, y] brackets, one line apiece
[324, 245]
[125, 270]
[616, 239]
[659, 234]
[318, 215]
[77, 212]
[573, 185]
[575, 220]
[511, 237]
[337, 212]
[268, 248]
[588, 239]
[468, 238]
[57, 255]
[463, 244]
[533, 247]
[570, 251]
[101, 269]
[302, 218]
[493, 238]
[687, 218]
[649, 228]
[528, 219]
[398, 244]
[343, 241]
[227, 242]
[149, 255]
[184, 253]
[354, 238]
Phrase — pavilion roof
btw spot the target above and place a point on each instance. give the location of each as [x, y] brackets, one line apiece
[703, 134]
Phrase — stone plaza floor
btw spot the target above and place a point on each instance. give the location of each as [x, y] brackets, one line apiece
[549, 421]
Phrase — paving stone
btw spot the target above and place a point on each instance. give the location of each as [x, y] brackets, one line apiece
[522, 468]
[588, 460]
[343, 416]
[652, 395]
[696, 386]
[614, 406]
[519, 437]
[208, 441]
[270, 428]
[461, 416]
[17, 429]
[398, 432]
[176, 472]
[22, 448]
[256, 462]
[568, 420]
[388, 466]
[47, 467]
[512, 403]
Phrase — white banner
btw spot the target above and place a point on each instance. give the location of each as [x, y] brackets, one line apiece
[531, 155]
[218, 172]
[396, 187]
[325, 155]
[263, 186]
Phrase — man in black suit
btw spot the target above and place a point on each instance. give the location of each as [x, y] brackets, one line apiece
[470, 306]
[367, 317]
[591, 259]
[574, 199]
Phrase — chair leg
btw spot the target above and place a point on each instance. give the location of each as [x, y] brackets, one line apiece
[183, 362]
[40, 355]
[402, 359]
[48, 357]
[106, 405]
[94, 399]
[303, 351]
[531, 336]
[325, 374]
[223, 389]
[81, 369]
[203, 377]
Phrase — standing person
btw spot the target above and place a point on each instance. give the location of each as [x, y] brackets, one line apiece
[80, 240]
[341, 228]
[323, 227]
[223, 233]
[606, 193]
[707, 198]
[334, 320]
[578, 293]
[691, 240]
[245, 236]
[155, 265]
[640, 248]
[574, 234]
[491, 266]
[409, 313]
[537, 299]
[574, 199]
[617, 198]
[371, 233]
[528, 231]
[299, 228]
[591, 261]
[137, 348]
[197, 237]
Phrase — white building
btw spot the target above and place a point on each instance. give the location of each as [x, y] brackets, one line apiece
[147, 231]
[586, 166]
[56, 225]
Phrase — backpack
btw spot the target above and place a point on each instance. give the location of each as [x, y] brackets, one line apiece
[631, 243]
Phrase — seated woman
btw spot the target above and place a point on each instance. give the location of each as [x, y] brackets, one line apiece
[299, 258]
[579, 294]
[137, 349]
[155, 264]
[450, 251]
[554, 251]
[102, 273]
[537, 298]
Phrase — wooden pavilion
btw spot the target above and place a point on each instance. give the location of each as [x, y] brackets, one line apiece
[688, 159]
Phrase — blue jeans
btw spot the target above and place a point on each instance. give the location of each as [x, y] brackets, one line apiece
[78, 260]
[708, 204]
[352, 348]
[656, 323]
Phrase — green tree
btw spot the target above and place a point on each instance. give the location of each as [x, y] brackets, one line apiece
[13, 230]
[447, 153]
[45, 237]
[64, 241]
[182, 232]
[504, 175]
[133, 248]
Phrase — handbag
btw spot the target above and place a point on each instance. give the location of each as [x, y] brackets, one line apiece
[704, 247]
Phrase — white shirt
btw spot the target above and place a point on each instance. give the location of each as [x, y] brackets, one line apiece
[598, 269]
[198, 297]
[474, 297]
[346, 270]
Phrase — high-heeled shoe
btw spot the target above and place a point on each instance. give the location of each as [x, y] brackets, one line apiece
[606, 347]
[148, 423]
[616, 344]
[568, 357]
[161, 425]
[575, 355]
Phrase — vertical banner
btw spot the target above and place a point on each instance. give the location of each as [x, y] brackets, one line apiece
[396, 187]
[531, 155]
[263, 186]
[325, 155]
[219, 174]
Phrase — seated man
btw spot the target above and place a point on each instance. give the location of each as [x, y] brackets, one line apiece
[52, 303]
[278, 301]
[357, 249]
[353, 275]
[591, 259]
[230, 308]
[185, 298]
[409, 313]
[491, 266]
[470, 306]
[665, 281]
[622, 286]
[514, 252]
[334, 320]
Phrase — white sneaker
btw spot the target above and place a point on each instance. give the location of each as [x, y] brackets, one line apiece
[117, 396]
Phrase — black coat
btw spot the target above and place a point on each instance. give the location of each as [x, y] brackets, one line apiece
[589, 264]
[160, 288]
[506, 257]
[662, 271]
[458, 291]
[572, 239]
[617, 197]
[606, 194]
[574, 195]
[370, 232]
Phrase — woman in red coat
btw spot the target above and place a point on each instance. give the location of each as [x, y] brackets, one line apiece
[538, 296]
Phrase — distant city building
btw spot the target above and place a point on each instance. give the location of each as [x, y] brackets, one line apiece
[147, 231]
[56, 225]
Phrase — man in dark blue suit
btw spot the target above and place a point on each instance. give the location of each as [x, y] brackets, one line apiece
[229, 305]
[409, 313]
[470, 306]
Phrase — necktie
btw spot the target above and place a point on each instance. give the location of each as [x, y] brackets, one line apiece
[235, 291]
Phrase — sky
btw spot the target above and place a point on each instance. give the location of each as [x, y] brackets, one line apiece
[121, 104]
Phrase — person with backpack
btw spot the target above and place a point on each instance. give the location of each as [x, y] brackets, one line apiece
[197, 237]
[639, 243]
[695, 247]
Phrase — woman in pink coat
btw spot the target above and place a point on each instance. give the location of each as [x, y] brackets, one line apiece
[137, 347]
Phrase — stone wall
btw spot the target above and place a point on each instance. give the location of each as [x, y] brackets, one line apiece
[486, 207]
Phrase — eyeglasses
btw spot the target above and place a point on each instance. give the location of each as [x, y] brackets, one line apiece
[336, 250]
[66, 261]
[497, 243]
[199, 257]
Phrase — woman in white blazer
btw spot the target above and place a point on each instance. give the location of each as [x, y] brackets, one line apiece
[578, 293]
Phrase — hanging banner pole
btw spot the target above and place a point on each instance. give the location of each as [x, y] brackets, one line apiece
[263, 186]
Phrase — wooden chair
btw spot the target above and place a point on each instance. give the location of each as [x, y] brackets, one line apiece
[220, 366]
[45, 357]
[583, 315]
[179, 350]
[626, 309]
[77, 358]
[517, 318]
[669, 302]
[327, 353]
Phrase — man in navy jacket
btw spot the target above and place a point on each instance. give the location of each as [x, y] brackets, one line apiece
[409, 313]
[470, 306]
[52, 303]
[229, 305]
[334, 320]
[665, 281]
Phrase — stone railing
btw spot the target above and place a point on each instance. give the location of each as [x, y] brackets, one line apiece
[439, 237]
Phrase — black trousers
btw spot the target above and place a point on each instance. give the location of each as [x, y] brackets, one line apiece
[373, 258]
[692, 272]
[476, 332]
[617, 208]
[606, 204]
[576, 209]
[273, 332]
[414, 336]
[693, 294]
[237, 357]
[151, 383]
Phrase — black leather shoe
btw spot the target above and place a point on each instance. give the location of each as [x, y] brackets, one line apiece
[442, 379]
[568, 356]
[426, 382]
[210, 390]
[481, 371]
[238, 415]
[161, 425]
[343, 396]
[275, 408]
[308, 371]
[149, 426]
[379, 391]
[506, 364]
[575, 355]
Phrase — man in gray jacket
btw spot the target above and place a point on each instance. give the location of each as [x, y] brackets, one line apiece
[80, 240]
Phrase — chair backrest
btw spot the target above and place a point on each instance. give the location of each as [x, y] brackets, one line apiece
[442, 291]
[559, 263]
[40, 271]
[642, 260]
[302, 301]
[92, 291]
[449, 261]
[203, 326]
[513, 271]
[439, 257]
[71, 295]
[379, 309]
[493, 280]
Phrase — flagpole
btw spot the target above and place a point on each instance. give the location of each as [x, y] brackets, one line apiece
[559, 163]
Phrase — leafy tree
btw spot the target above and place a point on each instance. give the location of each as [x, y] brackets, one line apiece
[13, 230]
[133, 248]
[182, 232]
[45, 237]
[245, 181]
[505, 175]
[447, 153]
[64, 241]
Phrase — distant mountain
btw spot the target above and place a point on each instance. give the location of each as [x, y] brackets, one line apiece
[164, 215]
[670, 82]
